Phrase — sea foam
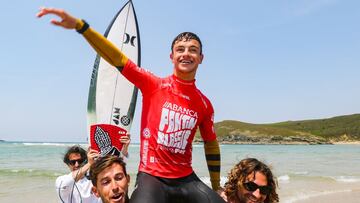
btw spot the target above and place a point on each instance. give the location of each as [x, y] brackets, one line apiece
[27, 173]
[284, 179]
[50, 144]
[347, 179]
[308, 195]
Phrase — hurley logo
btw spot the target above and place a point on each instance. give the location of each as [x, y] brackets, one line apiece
[129, 39]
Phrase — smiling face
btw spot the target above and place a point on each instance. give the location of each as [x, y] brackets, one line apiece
[112, 184]
[246, 196]
[186, 57]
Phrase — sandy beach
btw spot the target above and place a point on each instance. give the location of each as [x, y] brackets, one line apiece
[338, 197]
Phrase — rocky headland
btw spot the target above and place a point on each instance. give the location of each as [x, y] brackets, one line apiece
[340, 129]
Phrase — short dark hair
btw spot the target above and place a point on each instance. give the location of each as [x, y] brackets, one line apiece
[103, 163]
[186, 36]
[244, 168]
[74, 149]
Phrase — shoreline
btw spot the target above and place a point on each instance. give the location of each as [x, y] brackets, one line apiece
[349, 196]
[274, 143]
[347, 143]
[285, 143]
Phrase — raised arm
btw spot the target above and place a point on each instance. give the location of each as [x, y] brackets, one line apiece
[102, 46]
[91, 156]
[125, 148]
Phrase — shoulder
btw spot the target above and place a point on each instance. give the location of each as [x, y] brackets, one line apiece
[84, 180]
[130, 66]
[205, 100]
[63, 180]
[63, 177]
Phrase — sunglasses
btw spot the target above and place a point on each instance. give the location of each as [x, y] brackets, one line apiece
[73, 162]
[251, 186]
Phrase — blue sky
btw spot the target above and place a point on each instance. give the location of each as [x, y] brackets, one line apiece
[265, 61]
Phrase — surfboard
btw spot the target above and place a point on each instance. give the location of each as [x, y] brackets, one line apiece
[112, 98]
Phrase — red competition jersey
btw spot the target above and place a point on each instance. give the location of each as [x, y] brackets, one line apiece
[172, 110]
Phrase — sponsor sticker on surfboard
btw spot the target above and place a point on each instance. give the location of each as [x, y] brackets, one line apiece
[105, 139]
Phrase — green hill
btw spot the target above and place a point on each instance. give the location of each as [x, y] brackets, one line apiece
[320, 131]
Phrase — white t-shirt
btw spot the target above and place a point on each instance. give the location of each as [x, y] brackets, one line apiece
[80, 192]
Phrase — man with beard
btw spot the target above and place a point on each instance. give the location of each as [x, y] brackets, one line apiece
[110, 179]
[250, 181]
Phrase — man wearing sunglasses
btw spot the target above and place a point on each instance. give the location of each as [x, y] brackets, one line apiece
[250, 181]
[76, 187]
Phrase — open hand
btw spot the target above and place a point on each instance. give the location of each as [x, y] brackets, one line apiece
[67, 21]
[125, 139]
[92, 154]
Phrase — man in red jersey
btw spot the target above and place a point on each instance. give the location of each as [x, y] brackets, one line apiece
[173, 108]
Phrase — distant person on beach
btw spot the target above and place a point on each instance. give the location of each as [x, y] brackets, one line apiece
[75, 187]
[250, 181]
[110, 179]
[173, 109]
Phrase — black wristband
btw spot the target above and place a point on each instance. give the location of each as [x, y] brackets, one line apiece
[84, 27]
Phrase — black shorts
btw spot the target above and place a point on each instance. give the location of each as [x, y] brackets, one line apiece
[189, 189]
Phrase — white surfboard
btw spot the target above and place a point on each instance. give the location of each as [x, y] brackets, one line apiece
[112, 98]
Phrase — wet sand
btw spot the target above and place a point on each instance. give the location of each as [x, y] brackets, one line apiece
[340, 197]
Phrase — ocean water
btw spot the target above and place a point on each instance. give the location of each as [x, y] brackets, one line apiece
[28, 170]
